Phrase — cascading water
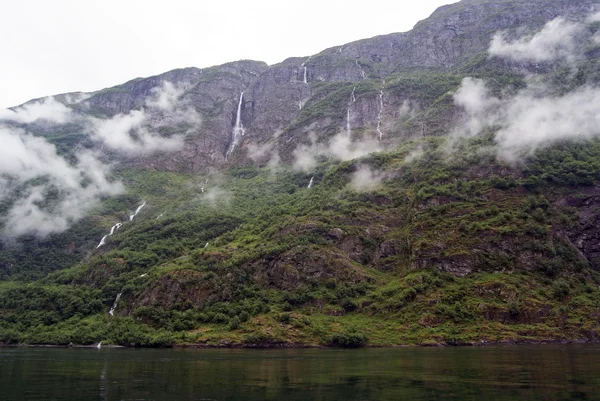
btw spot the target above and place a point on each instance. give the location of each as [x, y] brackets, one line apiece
[238, 129]
[362, 71]
[102, 242]
[206, 246]
[310, 184]
[348, 132]
[137, 211]
[379, 132]
[112, 231]
[115, 227]
[352, 101]
[305, 75]
[99, 345]
[161, 215]
[112, 310]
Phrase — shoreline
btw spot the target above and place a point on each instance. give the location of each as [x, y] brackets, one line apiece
[267, 346]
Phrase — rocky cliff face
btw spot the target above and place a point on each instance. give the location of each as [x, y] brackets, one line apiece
[314, 94]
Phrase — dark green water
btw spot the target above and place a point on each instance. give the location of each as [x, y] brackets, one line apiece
[492, 373]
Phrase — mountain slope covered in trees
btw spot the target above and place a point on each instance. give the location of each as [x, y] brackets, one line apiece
[438, 186]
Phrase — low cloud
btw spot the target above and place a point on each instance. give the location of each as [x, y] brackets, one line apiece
[366, 179]
[47, 109]
[266, 152]
[47, 193]
[340, 147]
[127, 133]
[529, 120]
[61, 193]
[137, 132]
[559, 40]
[537, 115]
[216, 196]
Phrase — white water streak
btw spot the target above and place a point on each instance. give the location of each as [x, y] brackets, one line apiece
[362, 72]
[238, 129]
[379, 132]
[352, 101]
[112, 231]
[112, 310]
[310, 184]
[137, 211]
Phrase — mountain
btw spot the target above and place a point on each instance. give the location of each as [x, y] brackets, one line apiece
[438, 186]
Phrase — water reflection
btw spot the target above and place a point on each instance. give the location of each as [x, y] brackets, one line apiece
[500, 373]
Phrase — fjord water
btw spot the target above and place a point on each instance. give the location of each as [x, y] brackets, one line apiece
[493, 373]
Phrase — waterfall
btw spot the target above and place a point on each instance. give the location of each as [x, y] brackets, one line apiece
[206, 246]
[161, 215]
[310, 184]
[112, 231]
[137, 211]
[352, 101]
[305, 78]
[379, 132]
[348, 122]
[362, 72]
[99, 345]
[115, 227]
[112, 310]
[102, 241]
[238, 129]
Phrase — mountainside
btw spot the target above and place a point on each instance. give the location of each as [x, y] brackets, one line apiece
[438, 186]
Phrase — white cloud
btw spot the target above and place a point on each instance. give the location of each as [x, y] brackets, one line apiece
[366, 179]
[558, 40]
[529, 120]
[137, 131]
[340, 147]
[47, 109]
[126, 133]
[80, 186]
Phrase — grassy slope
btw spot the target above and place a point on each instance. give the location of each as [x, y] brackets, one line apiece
[329, 265]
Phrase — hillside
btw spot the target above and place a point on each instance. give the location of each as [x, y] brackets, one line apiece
[438, 186]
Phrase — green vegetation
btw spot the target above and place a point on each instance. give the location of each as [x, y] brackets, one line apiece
[453, 248]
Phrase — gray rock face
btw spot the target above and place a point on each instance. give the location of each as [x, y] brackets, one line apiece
[283, 102]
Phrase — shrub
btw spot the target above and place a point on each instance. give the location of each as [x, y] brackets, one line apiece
[560, 289]
[234, 323]
[349, 339]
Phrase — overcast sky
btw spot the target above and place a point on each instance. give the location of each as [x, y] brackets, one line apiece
[56, 46]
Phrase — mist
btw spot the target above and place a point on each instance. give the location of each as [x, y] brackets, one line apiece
[538, 115]
[47, 109]
[366, 179]
[559, 40]
[137, 132]
[75, 188]
[47, 193]
[341, 147]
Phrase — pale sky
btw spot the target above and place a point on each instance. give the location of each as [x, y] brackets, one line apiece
[56, 46]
